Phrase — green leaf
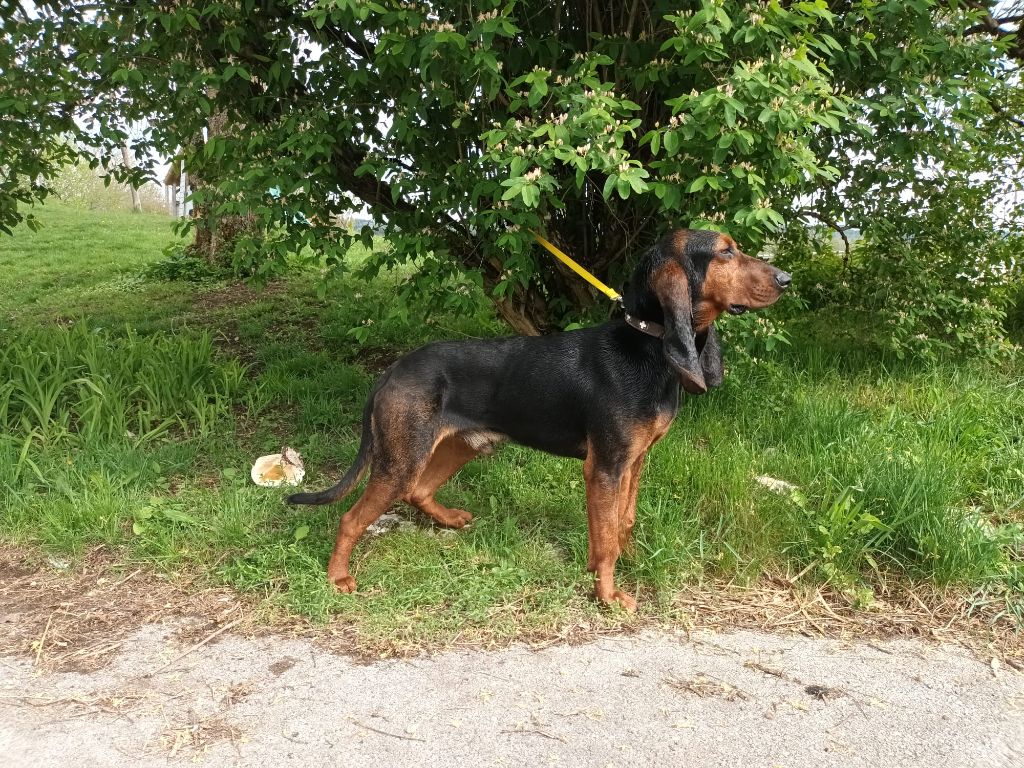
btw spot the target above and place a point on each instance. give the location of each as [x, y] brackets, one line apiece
[609, 186]
[730, 115]
[637, 184]
[513, 191]
[671, 142]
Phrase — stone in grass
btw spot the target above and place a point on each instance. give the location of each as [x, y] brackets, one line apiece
[386, 522]
[278, 468]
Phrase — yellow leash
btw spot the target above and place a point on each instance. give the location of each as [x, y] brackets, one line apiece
[611, 293]
[651, 329]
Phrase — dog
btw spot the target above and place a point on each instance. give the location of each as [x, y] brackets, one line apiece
[604, 395]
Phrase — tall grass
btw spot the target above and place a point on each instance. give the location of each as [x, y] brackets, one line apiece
[91, 386]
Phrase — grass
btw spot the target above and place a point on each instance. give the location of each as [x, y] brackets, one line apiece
[131, 410]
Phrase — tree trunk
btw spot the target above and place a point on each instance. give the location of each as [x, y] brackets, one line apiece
[215, 242]
[521, 318]
[136, 200]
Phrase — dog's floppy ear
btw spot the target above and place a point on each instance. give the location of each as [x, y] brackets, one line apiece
[672, 288]
[711, 359]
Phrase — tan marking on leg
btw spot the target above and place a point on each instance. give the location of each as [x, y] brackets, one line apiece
[603, 493]
[375, 501]
[627, 510]
[449, 456]
[645, 436]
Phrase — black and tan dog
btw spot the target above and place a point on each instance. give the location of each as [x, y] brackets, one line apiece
[603, 394]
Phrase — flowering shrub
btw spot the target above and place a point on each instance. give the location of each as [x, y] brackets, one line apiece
[461, 127]
[941, 283]
[931, 300]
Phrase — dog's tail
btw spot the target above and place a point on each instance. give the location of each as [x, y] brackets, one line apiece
[355, 472]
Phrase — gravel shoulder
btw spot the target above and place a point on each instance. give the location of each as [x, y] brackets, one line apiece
[654, 698]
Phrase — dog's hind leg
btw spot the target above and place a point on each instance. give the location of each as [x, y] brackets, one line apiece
[402, 440]
[378, 497]
[449, 456]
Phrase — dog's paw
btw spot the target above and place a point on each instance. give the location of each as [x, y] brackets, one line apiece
[452, 518]
[460, 518]
[344, 584]
[624, 600]
[617, 598]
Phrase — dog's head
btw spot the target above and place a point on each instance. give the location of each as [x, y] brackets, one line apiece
[686, 281]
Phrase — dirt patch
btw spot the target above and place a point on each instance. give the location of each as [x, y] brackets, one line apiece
[375, 360]
[899, 610]
[78, 618]
[234, 295]
[215, 310]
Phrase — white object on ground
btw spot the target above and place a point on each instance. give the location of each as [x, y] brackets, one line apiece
[774, 484]
[278, 468]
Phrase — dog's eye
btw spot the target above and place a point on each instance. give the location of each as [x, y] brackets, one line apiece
[728, 252]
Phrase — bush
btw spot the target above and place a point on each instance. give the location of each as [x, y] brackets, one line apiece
[1015, 313]
[930, 287]
[939, 292]
[182, 263]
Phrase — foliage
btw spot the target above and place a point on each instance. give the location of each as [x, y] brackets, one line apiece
[932, 298]
[83, 186]
[182, 263]
[932, 451]
[37, 103]
[1015, 313]
[938, 281]
[464, 126]
[751, 337]
[841, 536]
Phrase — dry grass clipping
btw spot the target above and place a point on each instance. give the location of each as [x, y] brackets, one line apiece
[77, 618]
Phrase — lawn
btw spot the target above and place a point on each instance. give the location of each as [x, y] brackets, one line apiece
[131, 409]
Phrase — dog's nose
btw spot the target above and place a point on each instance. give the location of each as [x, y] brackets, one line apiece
[783, 279]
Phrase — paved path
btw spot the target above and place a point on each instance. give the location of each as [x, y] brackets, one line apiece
[740, 699]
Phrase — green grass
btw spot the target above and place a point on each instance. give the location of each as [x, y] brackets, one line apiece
[131, 410]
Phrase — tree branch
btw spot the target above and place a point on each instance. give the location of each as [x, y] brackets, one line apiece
[994, 25]
[1000, 110]
[831, 224]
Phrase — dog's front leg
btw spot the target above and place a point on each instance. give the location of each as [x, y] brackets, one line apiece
[605, 482]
